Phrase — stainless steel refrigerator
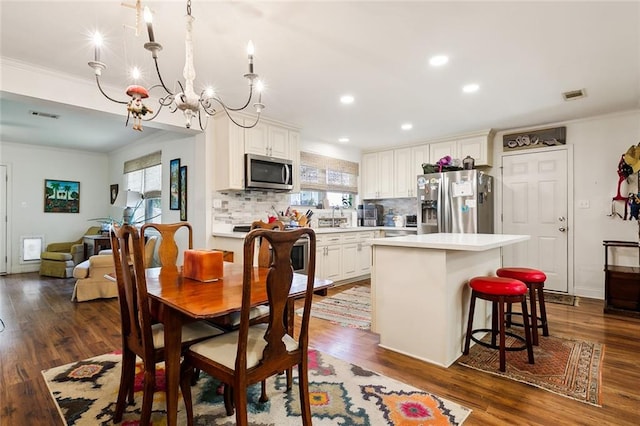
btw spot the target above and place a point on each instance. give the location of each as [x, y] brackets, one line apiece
[458, 202]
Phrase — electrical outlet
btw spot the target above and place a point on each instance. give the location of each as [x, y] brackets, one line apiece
[217, 203]
[583, 204]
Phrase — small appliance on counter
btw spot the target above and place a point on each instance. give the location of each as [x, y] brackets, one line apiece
[411, 221]
[370, 215]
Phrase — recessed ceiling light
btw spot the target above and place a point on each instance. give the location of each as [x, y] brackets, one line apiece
[438, 60]
[407, 126]
[346, 99]
[470, 88]
[343, 140]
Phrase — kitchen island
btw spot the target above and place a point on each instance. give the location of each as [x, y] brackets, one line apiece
[419, 290]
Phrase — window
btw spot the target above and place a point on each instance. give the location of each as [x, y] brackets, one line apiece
[144, 175]
[326, 180]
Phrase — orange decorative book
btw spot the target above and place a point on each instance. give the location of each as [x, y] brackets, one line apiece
[203, 265]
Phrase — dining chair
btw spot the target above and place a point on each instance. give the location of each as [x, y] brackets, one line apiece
[255, 352]
[141, 335]
[264, 254]
[168, 248]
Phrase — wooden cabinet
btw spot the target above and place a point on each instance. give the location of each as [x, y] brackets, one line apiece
[479, 147]
[229, 154]
[377, 175]
[621, 283]
[407, 164]
[268, 139]
[328, 256]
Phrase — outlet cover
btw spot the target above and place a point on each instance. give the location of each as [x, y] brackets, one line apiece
[583, 204]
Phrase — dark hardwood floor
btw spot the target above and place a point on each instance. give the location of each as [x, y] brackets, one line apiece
[44, 329]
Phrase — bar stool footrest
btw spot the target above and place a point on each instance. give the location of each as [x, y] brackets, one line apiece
[507, 333]
[538, 324]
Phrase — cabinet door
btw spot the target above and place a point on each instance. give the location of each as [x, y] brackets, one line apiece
[333, 262]
[320, 261]
[278, 142]
[229, 155]
[363, 258]
[419, 155]
[369, 184]
[294, 154]
[442, 149]
[403, 184]
[256, 139]
[385, 174]
[476, 147]
[349, 260]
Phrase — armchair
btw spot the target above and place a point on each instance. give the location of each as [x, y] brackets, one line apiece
[59, 259]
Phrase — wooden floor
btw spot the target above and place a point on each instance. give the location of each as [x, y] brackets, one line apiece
[43, 329]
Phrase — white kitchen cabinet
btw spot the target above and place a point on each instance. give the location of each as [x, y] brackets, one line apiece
[294, 151]
[377, 175]
[229, 154]
[419, 155]
[479, 147]
[328, 257]
[407, 164]
[363, 253]
[268, 139]
[349, 255]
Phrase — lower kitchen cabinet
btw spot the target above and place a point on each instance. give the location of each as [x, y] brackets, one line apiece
[343, 256]
[329, 257]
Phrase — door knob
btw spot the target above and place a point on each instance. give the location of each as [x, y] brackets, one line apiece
[562, 229]
[561, 219]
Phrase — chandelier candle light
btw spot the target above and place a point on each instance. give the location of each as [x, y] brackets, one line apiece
[186, 99]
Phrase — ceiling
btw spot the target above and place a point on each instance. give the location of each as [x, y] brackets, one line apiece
[523, 55]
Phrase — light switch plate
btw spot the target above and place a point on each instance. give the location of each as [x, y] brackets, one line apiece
[217, 203]
[583, 204]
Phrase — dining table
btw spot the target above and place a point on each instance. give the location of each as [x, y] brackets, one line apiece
[176, 300]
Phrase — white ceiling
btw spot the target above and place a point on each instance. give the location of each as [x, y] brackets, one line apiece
[522, 54]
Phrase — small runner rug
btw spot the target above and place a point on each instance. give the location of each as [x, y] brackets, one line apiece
[570, 368]
[349, 308]
[341, 394]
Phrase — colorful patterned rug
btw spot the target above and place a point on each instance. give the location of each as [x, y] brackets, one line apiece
[570, 368]
[341, 394]
[349, 308]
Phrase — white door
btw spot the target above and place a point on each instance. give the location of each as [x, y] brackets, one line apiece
[3, 219]
[535, 202]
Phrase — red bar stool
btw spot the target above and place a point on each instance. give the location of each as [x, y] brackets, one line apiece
[534, 279]
[499, 291]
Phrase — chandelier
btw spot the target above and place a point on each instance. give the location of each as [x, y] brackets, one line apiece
[185, 99]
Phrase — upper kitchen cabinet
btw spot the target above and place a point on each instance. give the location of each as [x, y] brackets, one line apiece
[407, 164]
[478, 146]
[268, 139]
[377, 175]
[229, 154]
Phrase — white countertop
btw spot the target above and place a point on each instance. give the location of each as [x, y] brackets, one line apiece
[229, 233]
[466, 242]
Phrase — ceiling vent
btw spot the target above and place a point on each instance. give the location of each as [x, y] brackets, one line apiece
[44, 114]
[574, 94]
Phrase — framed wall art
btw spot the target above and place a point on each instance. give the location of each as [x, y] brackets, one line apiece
[183, 193]
[174, 184]
[61, 196]
[113, 193]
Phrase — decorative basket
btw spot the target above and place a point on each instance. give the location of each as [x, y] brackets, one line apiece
[430, 168]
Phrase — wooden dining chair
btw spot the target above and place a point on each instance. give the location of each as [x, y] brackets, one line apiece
[255, 352]
[264, 254]
[168, 248]
[141, 335]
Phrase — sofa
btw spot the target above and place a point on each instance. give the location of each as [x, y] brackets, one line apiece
[59, 259]
[93, 281]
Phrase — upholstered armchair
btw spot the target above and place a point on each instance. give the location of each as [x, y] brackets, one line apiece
[59, 259]
[92, 282]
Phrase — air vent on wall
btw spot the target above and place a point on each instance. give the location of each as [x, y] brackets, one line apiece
[44, 114]
[574, 94]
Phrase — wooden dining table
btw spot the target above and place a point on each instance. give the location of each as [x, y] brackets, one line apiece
[176, 300]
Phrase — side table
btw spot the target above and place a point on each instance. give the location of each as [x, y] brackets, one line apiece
[94, 243]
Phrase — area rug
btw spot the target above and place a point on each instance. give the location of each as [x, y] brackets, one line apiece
[562, 299]
[341, 394]
[570, 368]
[349, 308]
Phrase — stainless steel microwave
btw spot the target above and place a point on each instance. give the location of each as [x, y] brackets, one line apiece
[261, 172]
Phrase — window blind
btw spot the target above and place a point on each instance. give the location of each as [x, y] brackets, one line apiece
[321, 173]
